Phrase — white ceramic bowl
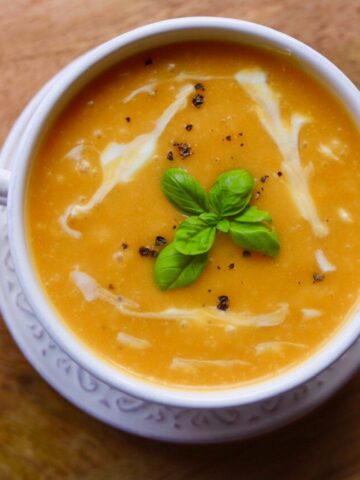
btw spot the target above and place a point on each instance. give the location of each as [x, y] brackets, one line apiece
[12, 188]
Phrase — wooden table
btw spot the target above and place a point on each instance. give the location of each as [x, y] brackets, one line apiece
[42, 436]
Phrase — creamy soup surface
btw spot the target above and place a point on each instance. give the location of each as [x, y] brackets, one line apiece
[94, 199]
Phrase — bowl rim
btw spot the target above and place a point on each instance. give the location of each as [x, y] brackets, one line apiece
[46, 312]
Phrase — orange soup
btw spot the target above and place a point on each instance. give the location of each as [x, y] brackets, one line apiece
[99, 217]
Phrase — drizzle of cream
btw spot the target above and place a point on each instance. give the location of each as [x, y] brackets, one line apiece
[76, 153]
[148, 88]
[323, 262]
[286, 136]
[310, 313]
[63, 221]
[276, 346]
[131, 341]
[91, 291]
[345, 216]
[79, 155]
[121, 162]
[328, 152]
[334, 150]
[192, 363]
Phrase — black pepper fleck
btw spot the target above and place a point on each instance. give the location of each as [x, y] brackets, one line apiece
[199, 86]
[228, 138]
[218, 267]
[318, 277]
[111, 286]
[223, 302]
[209, 291]
[124, 246]
[174, 227]
[189, 127]
[128, 119]
[264, 178]
[147, 252]
[170, 156]
[148, 61]
[184, 149]
[231, 266]
[246, 253]
[241, 144]
[257, 195]
[279, 174]
[160, 241]
[198, 100]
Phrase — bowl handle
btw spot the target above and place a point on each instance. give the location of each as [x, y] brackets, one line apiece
[4, 185]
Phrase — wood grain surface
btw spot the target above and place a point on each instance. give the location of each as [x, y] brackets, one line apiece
[42, 436]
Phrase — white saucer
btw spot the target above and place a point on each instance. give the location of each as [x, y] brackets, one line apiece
[119, 409]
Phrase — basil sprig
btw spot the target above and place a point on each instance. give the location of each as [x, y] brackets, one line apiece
[224, 208]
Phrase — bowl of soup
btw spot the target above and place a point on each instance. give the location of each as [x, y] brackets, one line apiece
[183, 212]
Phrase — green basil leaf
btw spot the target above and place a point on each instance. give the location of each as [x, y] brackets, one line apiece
[184, 192]
[254, 215]
[223, 226]
[231, 192]
[255, 236]
[193, 236]
[210, 218]
[175, 270]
